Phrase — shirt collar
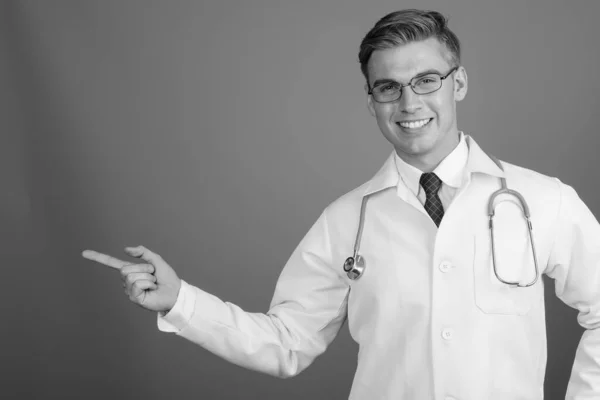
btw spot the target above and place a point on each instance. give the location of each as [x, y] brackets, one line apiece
[476, 161]
[451, 170]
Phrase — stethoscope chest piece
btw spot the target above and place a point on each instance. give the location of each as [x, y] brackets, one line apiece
[354, 267]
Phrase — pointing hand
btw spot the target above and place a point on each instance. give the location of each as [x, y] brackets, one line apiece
[153, 285]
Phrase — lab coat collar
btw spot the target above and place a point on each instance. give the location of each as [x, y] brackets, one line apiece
[385, 178]
[451, 169]
[478, 162]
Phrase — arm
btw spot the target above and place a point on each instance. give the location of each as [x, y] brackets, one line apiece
[574, 264]
[306, 313]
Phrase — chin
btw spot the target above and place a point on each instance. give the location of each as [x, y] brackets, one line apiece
[418, 143]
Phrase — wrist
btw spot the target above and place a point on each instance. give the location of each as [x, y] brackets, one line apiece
[178, 315]
[176, 291]
[172, 299]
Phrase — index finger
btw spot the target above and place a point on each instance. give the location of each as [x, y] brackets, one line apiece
[104, 259]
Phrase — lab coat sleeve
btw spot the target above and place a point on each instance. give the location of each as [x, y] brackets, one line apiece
[307, 311]
[574, 264]
[181, 313]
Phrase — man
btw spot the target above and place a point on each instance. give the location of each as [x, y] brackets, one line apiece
[441, 309]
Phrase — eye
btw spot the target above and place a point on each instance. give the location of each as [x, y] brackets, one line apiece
[427, 81]
[387, 87]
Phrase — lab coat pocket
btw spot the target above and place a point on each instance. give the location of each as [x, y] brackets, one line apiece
[513, 263]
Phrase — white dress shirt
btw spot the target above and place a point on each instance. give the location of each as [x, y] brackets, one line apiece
[430, 317]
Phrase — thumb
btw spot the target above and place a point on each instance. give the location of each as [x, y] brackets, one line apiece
[143, 253]
[134, 251]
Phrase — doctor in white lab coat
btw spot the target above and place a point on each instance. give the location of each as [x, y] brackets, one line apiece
[430, 315]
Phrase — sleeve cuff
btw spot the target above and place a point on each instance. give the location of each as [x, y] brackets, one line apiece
[181, 313]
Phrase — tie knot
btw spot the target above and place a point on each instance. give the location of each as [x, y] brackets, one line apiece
[431, 183]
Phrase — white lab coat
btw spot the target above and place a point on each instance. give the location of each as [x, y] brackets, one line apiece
[430, 317]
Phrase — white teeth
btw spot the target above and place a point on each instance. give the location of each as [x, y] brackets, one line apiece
[414, 124]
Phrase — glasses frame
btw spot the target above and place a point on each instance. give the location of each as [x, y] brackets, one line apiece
[401, 89]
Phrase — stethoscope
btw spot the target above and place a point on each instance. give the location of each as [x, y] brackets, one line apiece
[354, 266]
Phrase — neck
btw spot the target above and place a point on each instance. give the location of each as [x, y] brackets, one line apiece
[427, 162]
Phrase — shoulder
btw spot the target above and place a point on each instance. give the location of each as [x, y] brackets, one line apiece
[346, 205]
[546, 192]
[531, 180]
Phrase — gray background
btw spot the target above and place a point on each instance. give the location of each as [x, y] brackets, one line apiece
[214, 133]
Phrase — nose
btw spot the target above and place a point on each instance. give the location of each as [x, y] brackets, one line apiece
[410, 102]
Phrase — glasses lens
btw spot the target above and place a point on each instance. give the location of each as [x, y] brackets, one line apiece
[427, 84]
[386, 92]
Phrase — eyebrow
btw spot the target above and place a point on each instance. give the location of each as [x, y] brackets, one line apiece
[420, 74]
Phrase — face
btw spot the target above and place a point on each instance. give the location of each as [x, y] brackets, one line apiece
[401, 121]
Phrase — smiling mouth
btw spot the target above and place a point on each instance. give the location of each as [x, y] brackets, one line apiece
[414, 124]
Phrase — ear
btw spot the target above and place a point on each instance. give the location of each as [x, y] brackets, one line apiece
[370, 104]
[461, 83]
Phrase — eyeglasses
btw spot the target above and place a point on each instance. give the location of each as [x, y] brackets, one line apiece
[424, 84]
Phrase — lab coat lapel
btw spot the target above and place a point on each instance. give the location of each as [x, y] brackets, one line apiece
[385, 178]
[481, 179]
[388, 177]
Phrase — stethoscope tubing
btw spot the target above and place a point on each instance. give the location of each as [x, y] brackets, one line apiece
[354, 266]
[527, 216]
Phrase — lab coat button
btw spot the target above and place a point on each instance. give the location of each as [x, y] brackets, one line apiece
[445, 266]
[447, 334]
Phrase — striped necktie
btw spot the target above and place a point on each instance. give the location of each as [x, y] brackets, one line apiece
[431, 183]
